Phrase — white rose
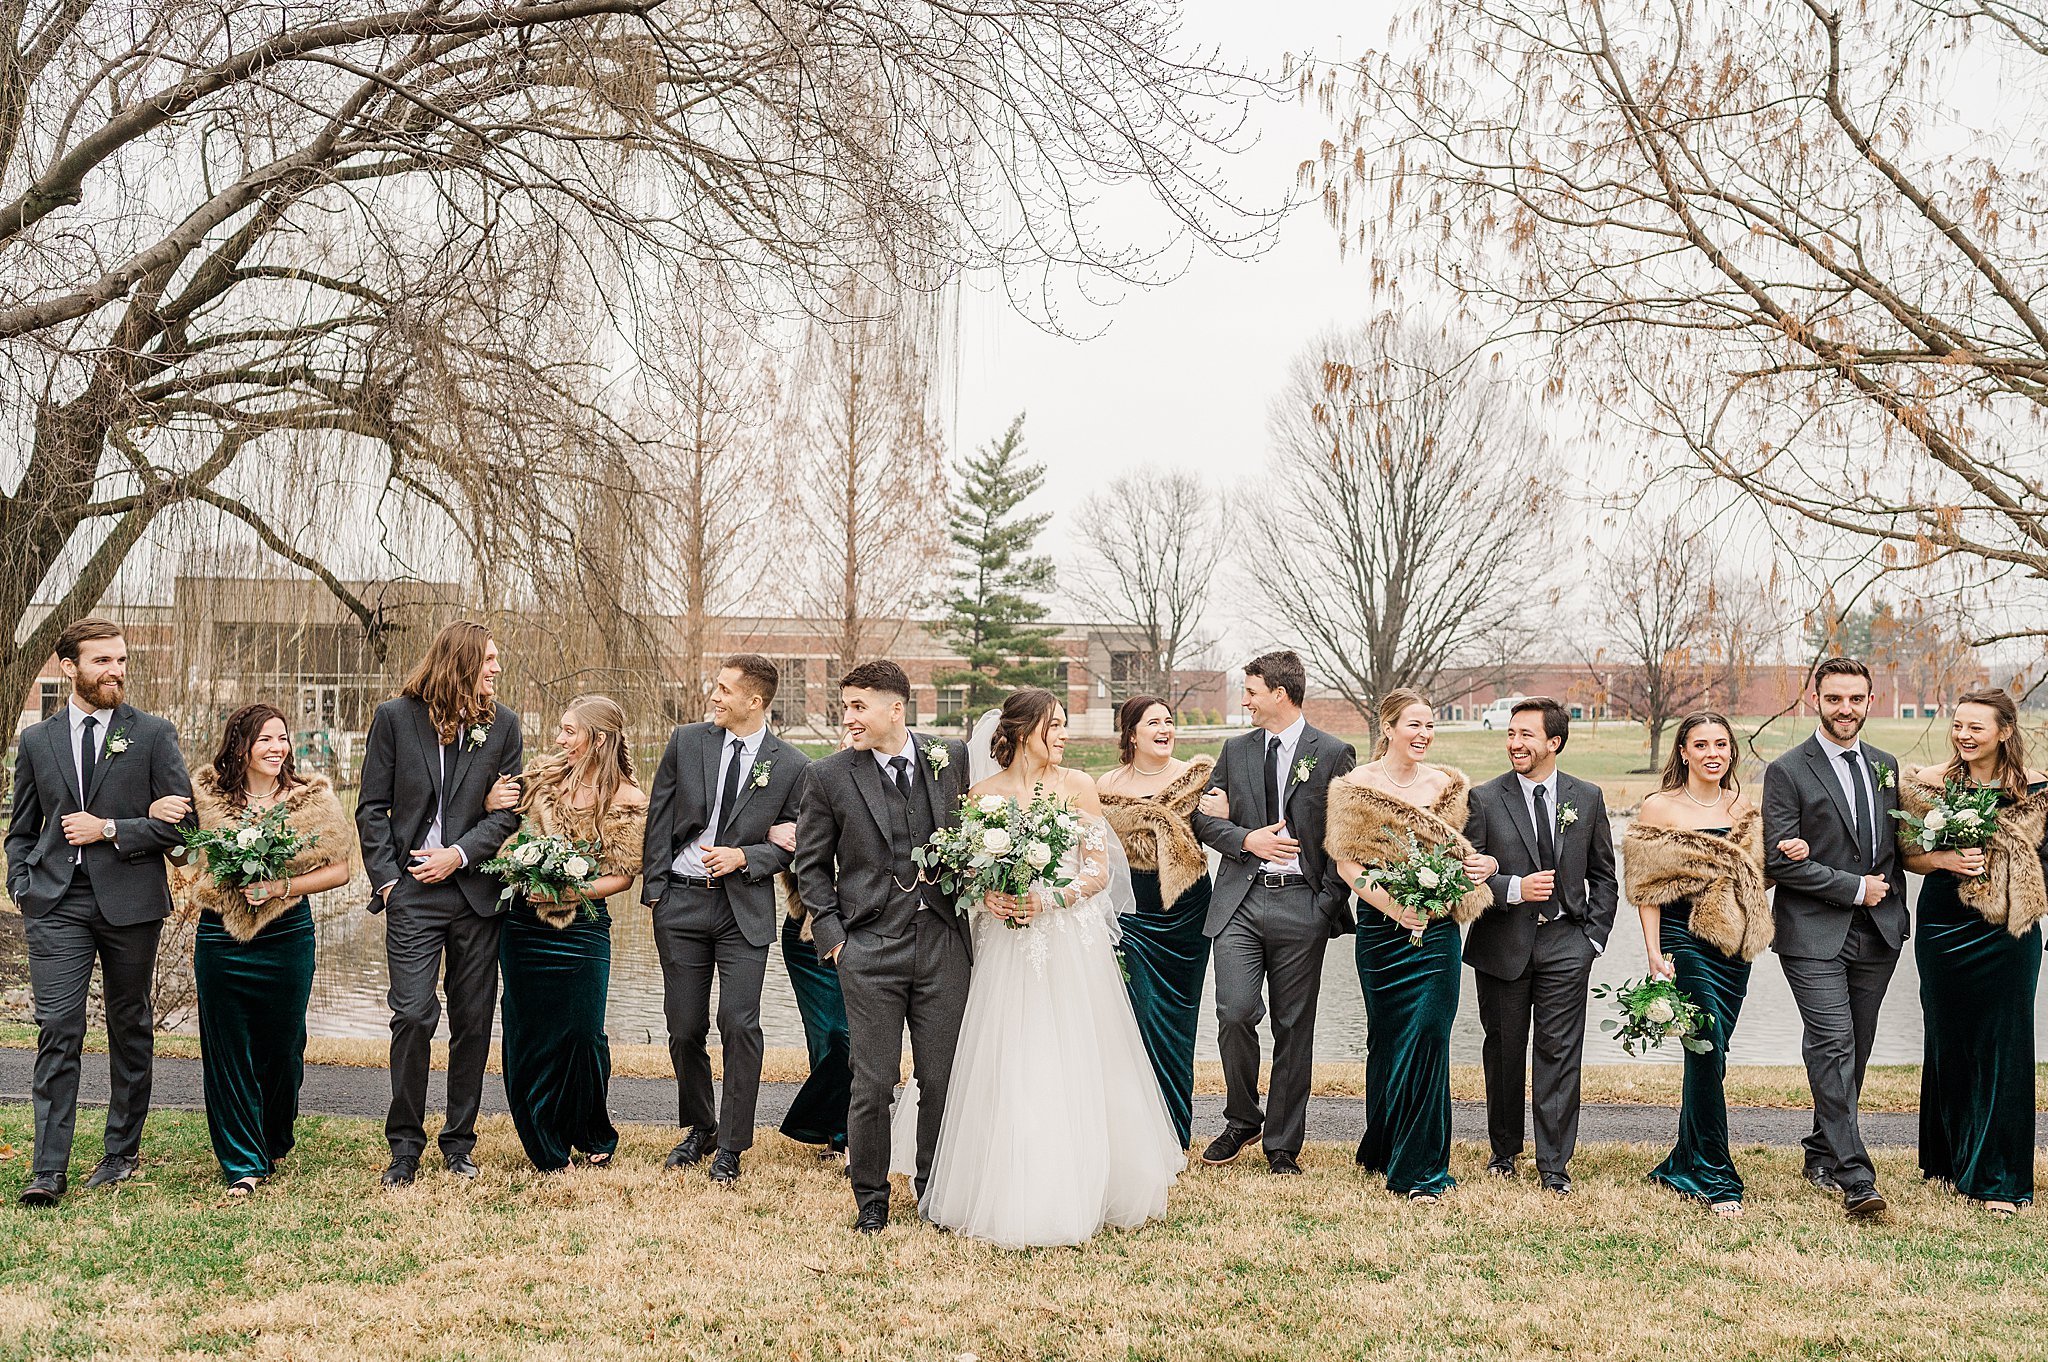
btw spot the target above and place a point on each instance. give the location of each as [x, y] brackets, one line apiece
[576, 868]
[995, 841]
[527, 853]
[247, 837]
[1936, 820]
[1427, 878]
[1970, 816]
[1660, 1012]
[1038, 855]
[991, 803]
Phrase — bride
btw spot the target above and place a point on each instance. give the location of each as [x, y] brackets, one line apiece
[1054, 1126]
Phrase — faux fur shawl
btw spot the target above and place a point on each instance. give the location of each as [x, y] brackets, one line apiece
[312, 810]
[1372, 828]
[2010, 892]
[619, 839]
[1156, 832]
[1722, 875]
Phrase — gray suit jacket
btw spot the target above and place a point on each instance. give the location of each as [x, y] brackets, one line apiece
[128, 878]
[1502, 939]
[679, 809]
[402, 782]
[1817, 896]
[1241, 775]
[845, 865]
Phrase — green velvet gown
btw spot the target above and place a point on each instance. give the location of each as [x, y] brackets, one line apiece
[557, 1058]
[252, 1036]
[817, 1114]
[1977, 1080]
[1411, 999]
[1700, 1165]
[1166, 958]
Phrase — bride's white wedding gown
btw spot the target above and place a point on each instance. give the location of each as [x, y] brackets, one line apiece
[1054, 1125]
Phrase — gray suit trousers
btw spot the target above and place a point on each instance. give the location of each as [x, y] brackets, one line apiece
[1274, 944]
[1551, 993]
[1838, 1002]
[425, 926]
[696, 934]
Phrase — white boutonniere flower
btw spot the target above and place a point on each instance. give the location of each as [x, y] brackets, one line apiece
[1302, 768]
[477, 735]
[762, 770]
[1887, 778]
[1567, 815]
[937, 757]
[117, 742]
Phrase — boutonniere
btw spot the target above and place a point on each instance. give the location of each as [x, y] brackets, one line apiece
[1566, 815]
[762, 770]
[476, 736]
[1302, 768]
[937, 757]
[1887, 778]
[117, 742]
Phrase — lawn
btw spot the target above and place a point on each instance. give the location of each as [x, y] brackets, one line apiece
[632, 1262]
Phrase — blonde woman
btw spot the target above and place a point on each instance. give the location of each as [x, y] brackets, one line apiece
[556, 954]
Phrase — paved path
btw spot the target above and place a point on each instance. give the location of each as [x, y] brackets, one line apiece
[338, 1090]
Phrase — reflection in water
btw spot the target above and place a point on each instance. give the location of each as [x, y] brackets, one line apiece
[349, 987]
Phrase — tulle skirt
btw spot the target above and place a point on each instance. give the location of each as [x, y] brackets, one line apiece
[1054, 1125]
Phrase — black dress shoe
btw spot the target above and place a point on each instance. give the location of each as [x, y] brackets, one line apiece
[726, 1167]
[1558, 1183]
[1503, 1169]
[1229, 1144]
[1280, 1161]
[112, 1169]
[692, 1150]
[404, 1168]
[1823, 1179]
[1863, 1200]
[44, 1189]
[461, 1165]
[872, 1220]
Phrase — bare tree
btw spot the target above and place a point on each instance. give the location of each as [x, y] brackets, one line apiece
[869, 481]
[231, 236]
[1402, 519]
[1150, 545]
[1803, 238]
[1678, 633]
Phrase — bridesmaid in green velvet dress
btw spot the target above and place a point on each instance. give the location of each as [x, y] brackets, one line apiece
[1147, 800]
[1695, 872]
[1978, 949]
[1411, 990]
[557, 955]
[252, 952]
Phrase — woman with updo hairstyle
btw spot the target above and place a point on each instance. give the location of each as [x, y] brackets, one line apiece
[1411, 989]
[1978, 946]
[1148, 799]
[252, 950]
[556, 954]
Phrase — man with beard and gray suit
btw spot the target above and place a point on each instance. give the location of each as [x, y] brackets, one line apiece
[1839, 915]
[1554, 898]
[99, 789]
[725, 793]
[1277, 903]
[903, 953]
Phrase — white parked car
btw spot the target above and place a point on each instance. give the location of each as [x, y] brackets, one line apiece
[1496, 714]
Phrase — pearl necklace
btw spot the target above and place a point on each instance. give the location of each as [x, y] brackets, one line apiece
[1159, 770]
[1388, 772]
[1686, 790]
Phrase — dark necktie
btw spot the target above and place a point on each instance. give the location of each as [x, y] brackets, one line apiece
[1272, 780]
[729, 788]
[1546, 840]
[901, 767]
[88, 757]
[1864, 841]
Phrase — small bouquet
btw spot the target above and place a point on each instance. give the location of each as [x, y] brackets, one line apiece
[1961, 816]
[545, 867]
[260, 847]
[1652, 1012]
[1428, 883]
[1000, 847]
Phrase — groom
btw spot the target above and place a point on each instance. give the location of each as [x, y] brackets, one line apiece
[901, 951]
[1277, 903]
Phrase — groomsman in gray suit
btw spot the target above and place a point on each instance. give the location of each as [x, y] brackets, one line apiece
[719, 820]
[1532, 952]
[1840, 914]
[99, 789]
[903, 953]
[1277, 903]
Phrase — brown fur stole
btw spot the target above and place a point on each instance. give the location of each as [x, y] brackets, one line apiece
[1156, 832]
[2010, 893]
[312, 810]
[620, 839]
[1372, 827]
[1722, 876]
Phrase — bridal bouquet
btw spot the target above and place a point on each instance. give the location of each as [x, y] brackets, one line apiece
[1652, 1012]
[1000, 847]
[545, 867]
[1428, 882]
[1961, 816]
[260, 847]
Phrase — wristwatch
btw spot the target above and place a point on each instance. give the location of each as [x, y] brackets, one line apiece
[107, 830]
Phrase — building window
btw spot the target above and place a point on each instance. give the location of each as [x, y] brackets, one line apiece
[951, 706]
[1578, 711]
[791, 707]
[910, 707]
[50, 695]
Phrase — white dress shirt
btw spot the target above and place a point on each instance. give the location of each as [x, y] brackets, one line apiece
[1529, 787]
[691, 861]
[1846, 773]
[1290, 738]
[79, 714]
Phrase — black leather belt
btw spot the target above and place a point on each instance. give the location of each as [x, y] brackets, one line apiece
[695, 881]
[1282, 881]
